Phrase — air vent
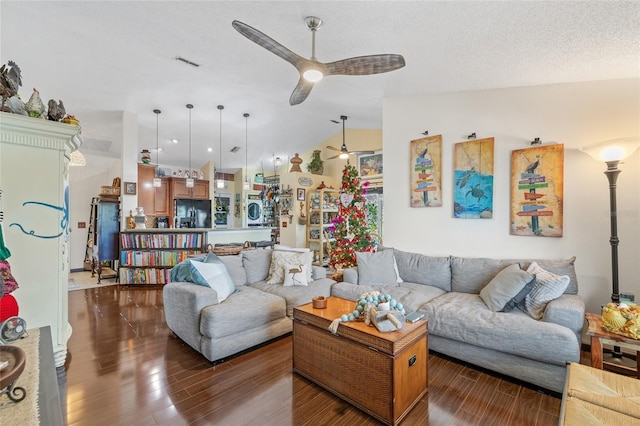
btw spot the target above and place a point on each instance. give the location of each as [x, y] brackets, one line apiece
[235, 149]
[186, 61]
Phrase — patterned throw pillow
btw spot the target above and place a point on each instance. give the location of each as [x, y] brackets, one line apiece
[281, 258]
[548, 287]
[295, 274]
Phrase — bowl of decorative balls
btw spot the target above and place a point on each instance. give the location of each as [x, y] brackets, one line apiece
[376, 309]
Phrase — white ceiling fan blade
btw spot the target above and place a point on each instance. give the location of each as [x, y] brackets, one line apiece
[366, 65]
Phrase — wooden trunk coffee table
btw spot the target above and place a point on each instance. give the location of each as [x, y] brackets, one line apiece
[383, 374]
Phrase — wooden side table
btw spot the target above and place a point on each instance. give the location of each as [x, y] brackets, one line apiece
[600, 336]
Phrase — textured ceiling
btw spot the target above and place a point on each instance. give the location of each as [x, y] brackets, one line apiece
[105, 57]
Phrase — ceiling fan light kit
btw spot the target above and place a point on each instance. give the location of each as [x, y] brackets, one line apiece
[311, 70]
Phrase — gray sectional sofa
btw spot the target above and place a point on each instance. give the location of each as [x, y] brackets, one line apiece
[446, 289]
[461, 325]
[255, 313]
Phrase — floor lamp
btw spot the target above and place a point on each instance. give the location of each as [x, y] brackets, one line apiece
[612, 152]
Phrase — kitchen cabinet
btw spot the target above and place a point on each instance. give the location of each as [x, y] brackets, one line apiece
[155, 201]
[200, 190]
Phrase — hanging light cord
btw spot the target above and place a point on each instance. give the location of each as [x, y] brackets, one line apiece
[190, 108]
[157, 113]
[220, 108]
[246, 144]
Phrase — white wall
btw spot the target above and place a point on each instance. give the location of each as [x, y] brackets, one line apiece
[575, 114]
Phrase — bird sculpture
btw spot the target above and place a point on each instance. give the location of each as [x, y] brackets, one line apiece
[34, 106]
[10, 80]
[56, 111]
[531, 168]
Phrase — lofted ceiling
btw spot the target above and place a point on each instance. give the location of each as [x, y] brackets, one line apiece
[103, 58]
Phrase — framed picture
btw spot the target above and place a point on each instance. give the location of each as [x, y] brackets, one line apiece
[300, 194]
[130, 188]
[370, 165]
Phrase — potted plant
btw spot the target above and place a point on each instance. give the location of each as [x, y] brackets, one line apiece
[316, 166]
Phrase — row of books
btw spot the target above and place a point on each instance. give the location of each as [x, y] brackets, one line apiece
[154, 258]
[191, 240]
[144, 276]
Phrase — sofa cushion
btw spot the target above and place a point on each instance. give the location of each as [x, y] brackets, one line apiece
[295, 274]
[281, 258]
[247, 308]
[505, 286]
[472, 274]
[411, 295]
[256, 264]
[376, 268]
[235, 268]
[420, 269]
[548, 287]
[299, 294]
[558, 267]
[465, 317]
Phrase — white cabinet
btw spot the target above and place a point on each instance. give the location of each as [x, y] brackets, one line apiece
[322, 208]
[35, 199]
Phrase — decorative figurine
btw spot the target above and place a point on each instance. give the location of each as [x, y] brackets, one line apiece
[34, 106]
[10, 81]
[56, 111]
[296, 161]
[146, 156]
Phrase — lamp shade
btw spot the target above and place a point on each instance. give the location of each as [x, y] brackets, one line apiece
[77, 159]
[612, 150]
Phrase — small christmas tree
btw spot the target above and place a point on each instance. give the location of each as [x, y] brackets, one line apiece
[350, 228]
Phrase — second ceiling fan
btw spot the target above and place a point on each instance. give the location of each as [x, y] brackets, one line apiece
[343, 151]
[311, 70]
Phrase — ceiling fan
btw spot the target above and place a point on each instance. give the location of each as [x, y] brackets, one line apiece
[344, 152]
[311, 70]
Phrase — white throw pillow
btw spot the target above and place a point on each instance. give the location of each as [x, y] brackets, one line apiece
[216, 275]
[548, 287]
[295, 274]
[281, 258]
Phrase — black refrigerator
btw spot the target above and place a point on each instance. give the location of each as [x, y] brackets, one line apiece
[191, 213]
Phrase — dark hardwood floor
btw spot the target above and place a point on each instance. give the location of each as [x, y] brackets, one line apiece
[126, 368]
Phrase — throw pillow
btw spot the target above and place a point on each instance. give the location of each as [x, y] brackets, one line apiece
[519, 298]
[506, 285]
[281, 258]
[548, 287]
[395, 263]
[207, 272]
[376, 268]
[295, 274]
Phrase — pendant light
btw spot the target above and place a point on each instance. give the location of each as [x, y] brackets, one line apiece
[246, 184]
[220, 181]
[189, 182]
[157, 183]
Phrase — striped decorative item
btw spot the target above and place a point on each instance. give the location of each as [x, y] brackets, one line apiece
[548, 287]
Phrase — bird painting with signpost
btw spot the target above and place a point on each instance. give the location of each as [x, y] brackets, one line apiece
[537, 177]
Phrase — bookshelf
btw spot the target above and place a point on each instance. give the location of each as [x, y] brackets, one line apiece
[147, 255]
[322, 208]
